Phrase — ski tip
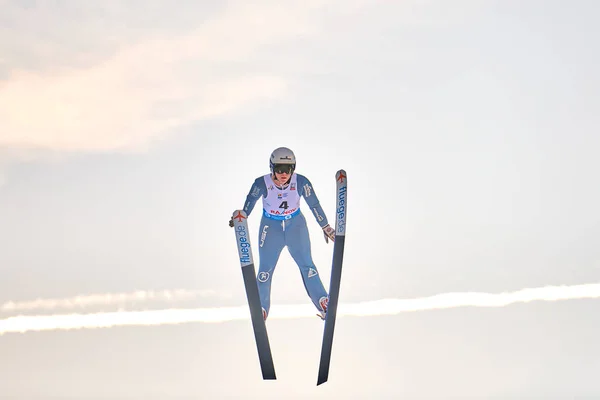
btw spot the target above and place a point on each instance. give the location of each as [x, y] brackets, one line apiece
[239, 214]
[239, 217]
[321, 381]
[341, 176]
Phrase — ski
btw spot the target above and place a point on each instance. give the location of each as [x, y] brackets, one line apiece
[336, 275]
[242, 236]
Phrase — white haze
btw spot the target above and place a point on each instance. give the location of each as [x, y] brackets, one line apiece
[23, 323]
[110, 299]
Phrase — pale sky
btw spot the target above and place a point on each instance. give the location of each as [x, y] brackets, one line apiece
[130, 131]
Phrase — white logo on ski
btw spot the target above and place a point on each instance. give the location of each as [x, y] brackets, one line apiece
[312, 272]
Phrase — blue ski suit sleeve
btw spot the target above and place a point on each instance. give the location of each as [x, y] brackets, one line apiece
[258, 189]
[312, 200]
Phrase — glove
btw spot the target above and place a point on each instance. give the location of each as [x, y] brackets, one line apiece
[329, 233]
[231, 222]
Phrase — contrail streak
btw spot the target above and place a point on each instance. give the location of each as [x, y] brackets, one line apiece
[224, 314]
[109, 299]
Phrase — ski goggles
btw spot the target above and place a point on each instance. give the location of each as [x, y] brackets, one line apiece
[282, 168]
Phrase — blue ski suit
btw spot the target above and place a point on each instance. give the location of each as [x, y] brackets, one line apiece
[284, 225]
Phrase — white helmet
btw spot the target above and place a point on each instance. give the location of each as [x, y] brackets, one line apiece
[282, 155]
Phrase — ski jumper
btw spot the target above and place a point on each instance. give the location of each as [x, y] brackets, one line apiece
[283, 224]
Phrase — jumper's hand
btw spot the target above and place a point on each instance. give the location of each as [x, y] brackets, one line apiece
[329, 233]
[231, 222]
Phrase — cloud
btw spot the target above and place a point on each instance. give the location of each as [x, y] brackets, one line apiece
[146, 88]
[111, 299]
[105, 77]
[23, 323]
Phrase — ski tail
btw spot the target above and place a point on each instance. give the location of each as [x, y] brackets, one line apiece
[242, 235]
[336, 275]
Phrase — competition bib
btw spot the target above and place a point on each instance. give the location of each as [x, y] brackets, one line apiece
[281, 203]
